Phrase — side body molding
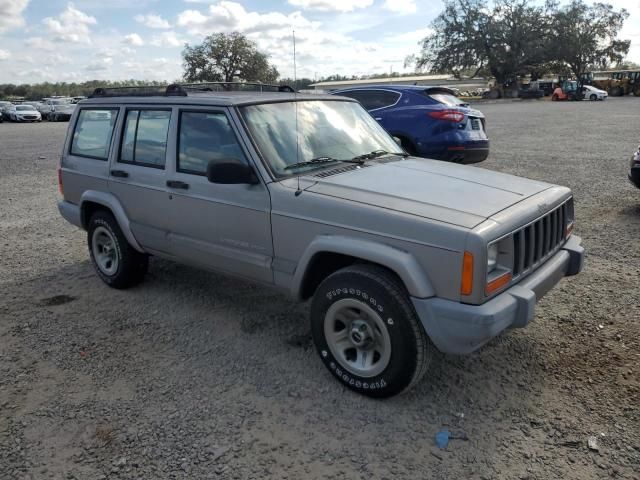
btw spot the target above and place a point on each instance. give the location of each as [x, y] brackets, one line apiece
[402, 263]
[112, 203]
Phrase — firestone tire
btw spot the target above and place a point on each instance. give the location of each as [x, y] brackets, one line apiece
[116, 262]
[367, 332]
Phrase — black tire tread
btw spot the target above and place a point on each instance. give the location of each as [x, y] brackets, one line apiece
[390, 282]
[134, 264]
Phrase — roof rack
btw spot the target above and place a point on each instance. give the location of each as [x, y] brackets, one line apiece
[181, 89]
[235, 86]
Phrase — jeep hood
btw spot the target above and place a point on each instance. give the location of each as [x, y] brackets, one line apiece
[456, 194]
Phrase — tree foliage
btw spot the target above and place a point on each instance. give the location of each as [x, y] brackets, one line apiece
[39, 91]
[586, 36]
[226, 57]
[511, 38]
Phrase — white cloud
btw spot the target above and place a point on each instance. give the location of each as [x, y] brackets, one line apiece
[331, 5]
[152, 20]
[167, 39]
[403, 7]
[11, 14]
[100, 65]
[70, 26]
[133, 39]
[4, 54]
[40, 43]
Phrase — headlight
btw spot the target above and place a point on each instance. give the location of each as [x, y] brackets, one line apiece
[499, 264]
[492, 257]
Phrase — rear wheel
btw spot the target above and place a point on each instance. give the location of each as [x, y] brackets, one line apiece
[554, 97]
[367, 332]
[408, 146]
[116, 262]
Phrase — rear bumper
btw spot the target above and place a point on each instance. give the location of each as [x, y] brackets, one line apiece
[460, 328]
[70, 212]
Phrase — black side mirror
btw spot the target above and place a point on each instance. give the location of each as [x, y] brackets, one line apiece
[231, 172]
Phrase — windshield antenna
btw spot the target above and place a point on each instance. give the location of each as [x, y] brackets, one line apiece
[295, 102]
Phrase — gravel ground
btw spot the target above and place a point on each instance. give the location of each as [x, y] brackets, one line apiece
[197, 376]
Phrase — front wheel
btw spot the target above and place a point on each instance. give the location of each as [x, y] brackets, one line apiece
[116, 262]
[367, 332]
[554, 97]
[593, 97]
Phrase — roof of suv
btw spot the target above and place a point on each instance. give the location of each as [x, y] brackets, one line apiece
[211, 98]
[214, 93]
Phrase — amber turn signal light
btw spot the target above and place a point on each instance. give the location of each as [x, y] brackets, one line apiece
[498, 283]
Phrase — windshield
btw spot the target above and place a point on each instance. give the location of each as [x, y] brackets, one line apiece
[24, 107]
[333, 129]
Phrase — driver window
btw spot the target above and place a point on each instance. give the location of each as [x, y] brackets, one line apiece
[206, 136]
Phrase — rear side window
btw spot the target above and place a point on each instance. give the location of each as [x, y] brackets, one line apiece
[92, 135]
[372, 99]
[144, 140]
[203, 137]
[447, 99]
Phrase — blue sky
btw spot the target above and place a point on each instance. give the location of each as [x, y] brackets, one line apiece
[61, 40]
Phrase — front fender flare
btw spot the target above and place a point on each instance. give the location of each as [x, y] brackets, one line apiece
[113, 204]
[399, 261]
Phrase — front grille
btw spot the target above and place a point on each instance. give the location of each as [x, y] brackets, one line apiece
[475, 123]
[336, 171]
[29, 117]
[534, 243]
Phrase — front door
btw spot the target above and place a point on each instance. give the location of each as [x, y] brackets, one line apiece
[226, 227]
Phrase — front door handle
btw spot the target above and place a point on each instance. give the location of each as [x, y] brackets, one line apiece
[177, 184]
[119, 173]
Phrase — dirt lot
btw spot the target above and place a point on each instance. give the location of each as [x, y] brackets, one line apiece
[198, 376]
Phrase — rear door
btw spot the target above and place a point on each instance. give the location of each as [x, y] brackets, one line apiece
[137, 174]
[225, 227]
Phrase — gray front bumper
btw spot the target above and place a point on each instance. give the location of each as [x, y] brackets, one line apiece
[460, 328]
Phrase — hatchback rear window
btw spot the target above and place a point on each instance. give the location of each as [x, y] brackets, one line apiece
[447, 99]
[92, 135]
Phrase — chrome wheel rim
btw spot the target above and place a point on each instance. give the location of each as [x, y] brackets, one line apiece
[357, 337]
[104, 251]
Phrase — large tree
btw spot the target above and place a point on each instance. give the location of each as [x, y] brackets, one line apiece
[586, 36]
[505, 39]
[226, 57]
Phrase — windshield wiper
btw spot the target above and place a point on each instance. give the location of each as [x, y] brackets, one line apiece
[376, 154]
[317, 160]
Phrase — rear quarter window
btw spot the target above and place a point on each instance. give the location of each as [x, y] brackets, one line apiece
[372, 99]
[93, 131]
[446, 99]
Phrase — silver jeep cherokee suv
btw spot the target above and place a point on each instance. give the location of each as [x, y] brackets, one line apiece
[309, 194]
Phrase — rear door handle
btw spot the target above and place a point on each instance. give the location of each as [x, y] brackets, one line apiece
[119, 173]
[177, 184]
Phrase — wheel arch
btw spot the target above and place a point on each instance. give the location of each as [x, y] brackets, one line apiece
[329, 253]
[92, 200]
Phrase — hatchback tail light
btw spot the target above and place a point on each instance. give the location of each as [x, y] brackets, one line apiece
[448, 115]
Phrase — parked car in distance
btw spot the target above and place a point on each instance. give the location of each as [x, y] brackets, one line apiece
[592, 93]
[61, 112]
[430, 122]
[23, 113]
[61, 105]
[309, 194]
[634, 173]
[3, 106]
